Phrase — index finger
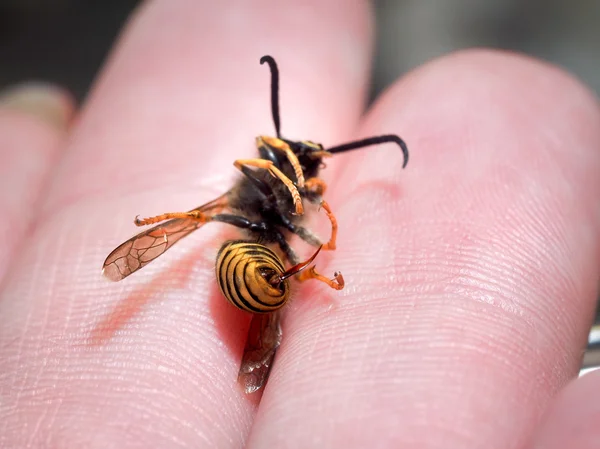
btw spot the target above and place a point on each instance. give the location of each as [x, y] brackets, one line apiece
[152, 361]
[471, 275]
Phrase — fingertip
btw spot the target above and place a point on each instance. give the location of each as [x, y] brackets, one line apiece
[477, 89]
[48, 103]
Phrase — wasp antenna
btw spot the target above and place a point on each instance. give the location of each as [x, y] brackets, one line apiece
[274, 91]
[373, 141]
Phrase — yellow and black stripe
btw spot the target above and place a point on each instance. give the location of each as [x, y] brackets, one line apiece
[243, 271]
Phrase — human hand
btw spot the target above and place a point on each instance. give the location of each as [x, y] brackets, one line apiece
[471, 275]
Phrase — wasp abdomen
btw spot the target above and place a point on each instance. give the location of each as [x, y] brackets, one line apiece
[245, 272]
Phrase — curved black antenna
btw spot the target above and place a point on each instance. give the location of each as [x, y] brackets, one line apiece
[372, 141]
[274, 91]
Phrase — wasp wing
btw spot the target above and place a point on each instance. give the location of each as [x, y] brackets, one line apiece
[264, 337]
[140, 250]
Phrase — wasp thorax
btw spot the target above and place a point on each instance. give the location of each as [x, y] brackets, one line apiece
[248, 275]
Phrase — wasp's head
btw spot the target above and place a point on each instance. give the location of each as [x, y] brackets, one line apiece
[310, 155]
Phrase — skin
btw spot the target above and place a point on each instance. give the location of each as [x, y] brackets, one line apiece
[471, 275]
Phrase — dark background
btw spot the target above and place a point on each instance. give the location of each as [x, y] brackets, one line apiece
[66, 41]
[60, 41]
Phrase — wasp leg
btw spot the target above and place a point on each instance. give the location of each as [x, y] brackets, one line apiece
[262, 186]
[199, 214]
[194, 215]
[279, 144]
[305, 234]
[268, 165]
[289, 252]
[331, 244]
[241, 222]
[311, 238]
[336, 283]
[315, 187]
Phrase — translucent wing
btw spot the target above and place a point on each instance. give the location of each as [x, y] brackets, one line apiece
[140, 250]
[264, 337]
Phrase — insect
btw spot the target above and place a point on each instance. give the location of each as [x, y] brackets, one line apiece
[267, 203]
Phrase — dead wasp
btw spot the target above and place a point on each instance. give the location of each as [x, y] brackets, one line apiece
[266, 202]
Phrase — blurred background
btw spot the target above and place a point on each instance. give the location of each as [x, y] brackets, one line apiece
[66, 41]
[565, 33]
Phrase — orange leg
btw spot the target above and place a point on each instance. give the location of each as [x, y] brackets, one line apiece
[316, 186]
[331, 244]
[321, 154]
[336, 283]
[198, 214]
[194, 215]
[268, 165]
[274, 142]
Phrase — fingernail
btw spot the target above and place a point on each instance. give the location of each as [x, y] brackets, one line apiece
[594, 338]
[49, 103]
[591, 357]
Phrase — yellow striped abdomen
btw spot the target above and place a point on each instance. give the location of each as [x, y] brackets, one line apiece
[243, 271]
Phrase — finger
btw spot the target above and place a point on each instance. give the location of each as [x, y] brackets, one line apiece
[152, 361]
[572, 420]
[33, 121]
[471, 275]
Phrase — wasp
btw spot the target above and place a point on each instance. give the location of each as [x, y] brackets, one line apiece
[267, 203]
